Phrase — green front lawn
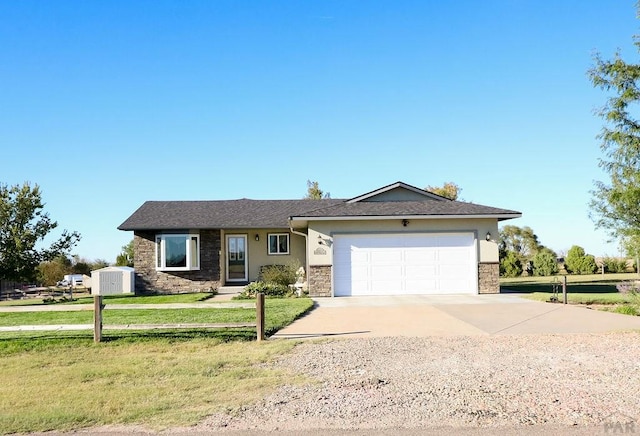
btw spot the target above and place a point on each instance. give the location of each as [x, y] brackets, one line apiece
[84, 298]
[278, 314]
[592, 283]
[581, 289]
[64, 381]
[158, 382]
[583, 298]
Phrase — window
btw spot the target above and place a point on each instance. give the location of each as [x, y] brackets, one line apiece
[177, 252]
[278, 243]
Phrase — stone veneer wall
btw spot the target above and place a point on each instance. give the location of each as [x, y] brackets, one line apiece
[489, 278]
[169, 282]
[320, 280]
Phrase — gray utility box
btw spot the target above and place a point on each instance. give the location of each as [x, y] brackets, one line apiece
[113, 280]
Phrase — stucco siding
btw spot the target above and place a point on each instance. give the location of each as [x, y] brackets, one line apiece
[258, 251]
[321, 234]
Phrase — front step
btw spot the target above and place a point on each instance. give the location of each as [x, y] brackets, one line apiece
[230, 289]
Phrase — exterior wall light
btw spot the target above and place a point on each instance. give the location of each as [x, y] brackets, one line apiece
[488, 236]
[320, 239]
[405, 222]
[257, 237]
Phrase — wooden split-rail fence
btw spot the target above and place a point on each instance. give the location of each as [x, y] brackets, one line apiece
[98, 307]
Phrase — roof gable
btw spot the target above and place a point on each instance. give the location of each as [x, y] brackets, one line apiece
[398, 191]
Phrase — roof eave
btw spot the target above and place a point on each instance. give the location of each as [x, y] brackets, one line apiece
[498, 216]
[176, 228]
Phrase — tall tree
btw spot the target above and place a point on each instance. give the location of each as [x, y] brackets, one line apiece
[521, 240]
[51, 272]
[99, 263]
[449, 190]
[125, 258]
[314, 192]
[23, 225]
[614, 204]
[631, 246]
[80, 265]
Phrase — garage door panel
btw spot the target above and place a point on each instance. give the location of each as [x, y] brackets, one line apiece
[405, 264]
[451, 271]
[359, 256]
[381, 287]
[359, 287]
[359, 272]
[453, 286]
[419, 256]
[451, 240]
[382, 257]
[456, 256]
[421, 288]
[383, 272]
[419, 272]
[421, 242]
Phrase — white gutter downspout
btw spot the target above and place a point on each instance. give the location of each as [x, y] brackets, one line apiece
[306, 245]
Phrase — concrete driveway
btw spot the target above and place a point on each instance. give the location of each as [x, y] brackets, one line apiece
[453, 315]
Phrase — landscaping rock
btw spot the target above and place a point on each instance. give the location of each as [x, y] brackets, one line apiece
[378, 383]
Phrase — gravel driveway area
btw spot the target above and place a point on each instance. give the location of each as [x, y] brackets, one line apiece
[495, 381]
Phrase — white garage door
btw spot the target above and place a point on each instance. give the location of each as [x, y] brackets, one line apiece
[441, 263]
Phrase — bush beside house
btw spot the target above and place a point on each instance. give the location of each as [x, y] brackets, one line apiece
[275, 281]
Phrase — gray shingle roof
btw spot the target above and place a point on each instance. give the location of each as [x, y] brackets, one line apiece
[245, 213]
[405, 208]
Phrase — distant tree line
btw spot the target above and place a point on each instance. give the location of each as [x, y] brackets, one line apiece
[522, 253]
[51, 272]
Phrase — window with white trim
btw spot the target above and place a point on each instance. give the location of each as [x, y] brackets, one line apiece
[177, 252]
[278, 243]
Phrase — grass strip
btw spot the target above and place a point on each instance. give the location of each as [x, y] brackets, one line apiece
[278, 314]
[576, 284]
[84, 298]
[157, 381]
[583, 298]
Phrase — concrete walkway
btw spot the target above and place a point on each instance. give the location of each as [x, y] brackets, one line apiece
[452, 315]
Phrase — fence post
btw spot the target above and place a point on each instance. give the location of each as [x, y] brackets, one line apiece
[564, 289]
[97, 318]
[260, 316]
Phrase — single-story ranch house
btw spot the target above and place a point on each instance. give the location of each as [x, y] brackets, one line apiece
[397, 239]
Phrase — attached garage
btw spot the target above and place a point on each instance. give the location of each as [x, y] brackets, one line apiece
[406, 263]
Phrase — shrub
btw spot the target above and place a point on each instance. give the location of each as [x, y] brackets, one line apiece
[280, 274]
[578, 262]
[589, 265]
[573, 259]
[510, 265]
[613, 265]
[632, 288]
[629, 287]
[627, 309]
[273, 290]
[545, 263]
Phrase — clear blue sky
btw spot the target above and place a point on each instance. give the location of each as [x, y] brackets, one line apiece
[108, 104]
